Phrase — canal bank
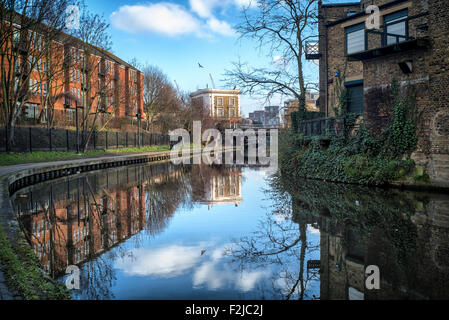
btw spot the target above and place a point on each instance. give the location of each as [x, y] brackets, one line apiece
[21, 275]
[334, 161]
[354, 155]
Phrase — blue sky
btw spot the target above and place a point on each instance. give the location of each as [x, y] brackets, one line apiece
[177, 34]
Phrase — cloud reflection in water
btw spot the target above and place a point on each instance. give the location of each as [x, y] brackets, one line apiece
[210, 269]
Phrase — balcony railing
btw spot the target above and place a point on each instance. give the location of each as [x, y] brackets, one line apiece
[312, 50]
[383, 44]
[322, 127]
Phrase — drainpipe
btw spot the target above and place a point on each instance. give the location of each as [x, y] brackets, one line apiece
[327, 71]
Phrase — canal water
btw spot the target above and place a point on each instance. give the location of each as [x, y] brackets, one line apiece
[199, 232]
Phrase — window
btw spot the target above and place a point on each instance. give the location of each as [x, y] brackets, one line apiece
[33, 86]
[399, 28]
[132, 76]
[31, 111]
[355, 38]
[355, 96]
[231, 101]
[232, 112]
[16, 36]
[30, 61]
[220, 101]
[220, 112]
[109, 66]
[18, 63]
[70, 114]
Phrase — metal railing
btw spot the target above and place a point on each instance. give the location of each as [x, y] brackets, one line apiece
[29, 139]
[312, 50]
[382, 31]
[322, 127]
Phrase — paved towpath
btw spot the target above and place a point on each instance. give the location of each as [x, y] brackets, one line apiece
[4, 170]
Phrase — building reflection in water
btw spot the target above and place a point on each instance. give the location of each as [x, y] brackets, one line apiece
[220, 187]
[315, 240]
[409, 243]
[405, 234]
[71, 221]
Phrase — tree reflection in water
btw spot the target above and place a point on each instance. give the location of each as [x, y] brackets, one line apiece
[94, 219]
[83, 221]
[404, 233]
[280, 243]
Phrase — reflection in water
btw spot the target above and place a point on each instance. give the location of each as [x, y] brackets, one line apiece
[405, 234]
[72, 221]
[208, 232]
[281, 242]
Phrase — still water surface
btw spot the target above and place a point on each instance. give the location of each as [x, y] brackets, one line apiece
[170, 232]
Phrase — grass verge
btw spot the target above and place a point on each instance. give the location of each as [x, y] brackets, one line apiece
[7, 159]
[23, 274]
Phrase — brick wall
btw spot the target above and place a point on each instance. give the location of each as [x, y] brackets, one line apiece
[438, 85]
[332, 49]
[429, 78]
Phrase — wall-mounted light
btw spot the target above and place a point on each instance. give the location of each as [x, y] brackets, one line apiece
[406, 66]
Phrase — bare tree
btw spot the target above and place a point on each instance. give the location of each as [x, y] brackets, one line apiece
[50, 74]
[98, 78]
[27, 30]
[282, 27]
[162, 104]
[195, 110]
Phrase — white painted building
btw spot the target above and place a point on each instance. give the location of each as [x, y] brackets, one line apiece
[222, 103]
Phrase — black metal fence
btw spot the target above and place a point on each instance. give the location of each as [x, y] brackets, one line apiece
[29, 139]
[322, 127]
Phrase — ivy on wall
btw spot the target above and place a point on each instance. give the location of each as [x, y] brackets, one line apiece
[362, 158]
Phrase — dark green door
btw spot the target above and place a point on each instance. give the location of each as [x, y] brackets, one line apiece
[355, 97]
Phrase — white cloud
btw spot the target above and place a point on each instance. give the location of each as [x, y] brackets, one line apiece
[208, 269]
[312, 230]
[281, 63]
[220, 27]
[165, 18]
[165, 262]
[215, 275]
[245, 3]
[172, 20]
[203, 8]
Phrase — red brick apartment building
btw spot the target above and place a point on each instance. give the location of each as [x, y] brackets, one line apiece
[100, 81]
[411, 46]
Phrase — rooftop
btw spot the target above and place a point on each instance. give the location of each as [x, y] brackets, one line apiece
[212, 90]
